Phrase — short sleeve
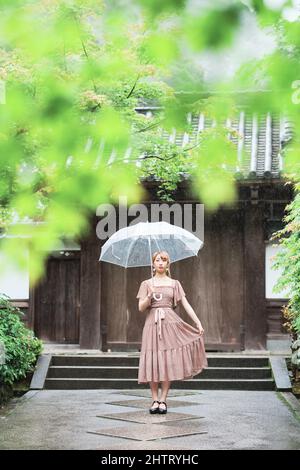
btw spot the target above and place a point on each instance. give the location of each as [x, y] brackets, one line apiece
[178, 293]
[143, 290]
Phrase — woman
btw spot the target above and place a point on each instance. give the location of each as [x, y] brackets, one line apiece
[171, 348]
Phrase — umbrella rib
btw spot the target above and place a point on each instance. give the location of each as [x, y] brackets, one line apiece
[157, 244]
[131, 243]
[112, 252]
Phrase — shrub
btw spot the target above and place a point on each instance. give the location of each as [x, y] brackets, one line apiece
[289, 260]
[21, 347]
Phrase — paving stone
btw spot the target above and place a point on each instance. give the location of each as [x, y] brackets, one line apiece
[143, 445]
[137, 432]
[147, 418]
[146, 403]
[60, 419]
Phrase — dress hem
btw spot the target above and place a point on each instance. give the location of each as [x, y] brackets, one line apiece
[173, 380]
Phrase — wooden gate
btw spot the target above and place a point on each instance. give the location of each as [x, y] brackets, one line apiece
[57, 300]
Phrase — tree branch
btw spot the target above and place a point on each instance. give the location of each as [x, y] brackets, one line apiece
[151, 126]
[155, 156]
[84, 50]
[133, 88]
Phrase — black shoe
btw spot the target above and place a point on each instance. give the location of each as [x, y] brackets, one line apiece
[153, 411]
[162, 411]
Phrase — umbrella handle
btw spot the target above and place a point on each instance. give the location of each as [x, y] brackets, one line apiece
[150, 260]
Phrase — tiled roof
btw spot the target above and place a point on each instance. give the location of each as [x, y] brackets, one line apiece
[260, 139]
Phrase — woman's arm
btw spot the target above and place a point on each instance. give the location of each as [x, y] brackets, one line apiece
[190, 311]
[144, 303]
[144, 295]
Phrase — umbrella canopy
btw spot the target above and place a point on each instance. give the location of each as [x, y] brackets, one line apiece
[133, 246]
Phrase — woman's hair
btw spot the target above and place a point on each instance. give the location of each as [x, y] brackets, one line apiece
[165, 256]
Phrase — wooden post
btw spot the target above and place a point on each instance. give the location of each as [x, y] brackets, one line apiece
[255, 321]
[90, 291]
[31, 309]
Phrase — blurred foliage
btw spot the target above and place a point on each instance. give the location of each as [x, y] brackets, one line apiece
[21, 348]
[288, 259]
[75, 71]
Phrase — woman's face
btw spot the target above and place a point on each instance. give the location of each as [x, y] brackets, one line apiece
[161, 264]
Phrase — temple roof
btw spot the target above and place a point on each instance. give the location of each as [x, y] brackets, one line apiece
[259, 141]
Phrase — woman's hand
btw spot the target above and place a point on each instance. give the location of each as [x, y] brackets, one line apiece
[150, 292]
[200, 328]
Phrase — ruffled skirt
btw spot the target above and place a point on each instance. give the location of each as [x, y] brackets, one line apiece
[177, 353]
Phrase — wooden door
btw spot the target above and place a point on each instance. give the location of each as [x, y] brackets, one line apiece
[57, 300]
[217, 281]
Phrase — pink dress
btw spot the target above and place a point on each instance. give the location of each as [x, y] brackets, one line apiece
[171, 348]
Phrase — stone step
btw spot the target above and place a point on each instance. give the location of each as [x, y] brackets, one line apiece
[120, 371]
[123, 372]
[131, 361]
[125, 384]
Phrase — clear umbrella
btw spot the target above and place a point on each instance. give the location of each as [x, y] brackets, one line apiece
[133, 246]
